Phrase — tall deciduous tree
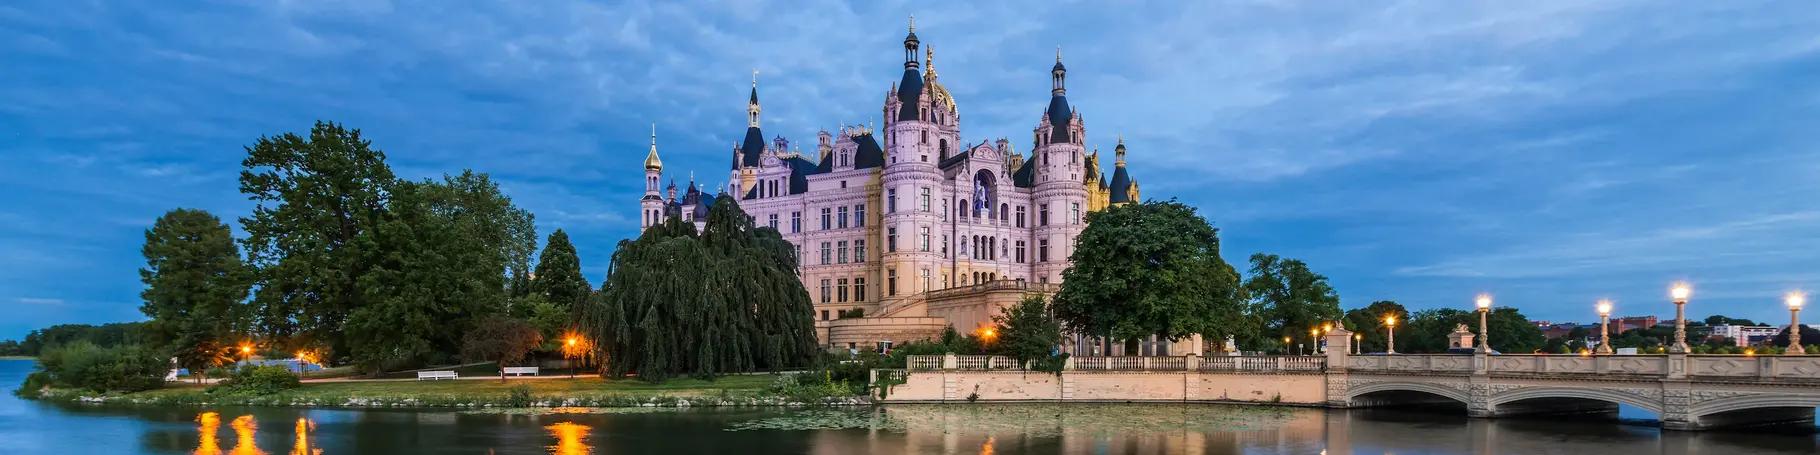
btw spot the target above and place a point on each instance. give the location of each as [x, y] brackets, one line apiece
[195, 286]
[1369, 323]
[1151, 268]
[1290, 299]
[500, 339]
[678, 303]
[312, 235]
[1026, 332]
[559, 279]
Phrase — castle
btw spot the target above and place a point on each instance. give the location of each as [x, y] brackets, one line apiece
[914, 228]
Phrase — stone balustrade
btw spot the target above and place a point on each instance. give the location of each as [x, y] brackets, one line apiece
[1687, 392]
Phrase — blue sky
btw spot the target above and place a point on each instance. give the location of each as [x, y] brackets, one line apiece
[1549, 153]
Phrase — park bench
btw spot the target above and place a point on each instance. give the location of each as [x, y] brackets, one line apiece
[520, 371]
[433, 375]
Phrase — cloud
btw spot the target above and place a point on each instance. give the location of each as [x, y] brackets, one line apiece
[1407, 148]
[39, 301]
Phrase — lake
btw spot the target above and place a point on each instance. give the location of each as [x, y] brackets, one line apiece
[28, 427]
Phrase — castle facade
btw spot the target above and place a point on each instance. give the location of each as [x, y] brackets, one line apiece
[883, 220]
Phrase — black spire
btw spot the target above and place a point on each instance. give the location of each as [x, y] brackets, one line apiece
[1060, 116]
[910, 90]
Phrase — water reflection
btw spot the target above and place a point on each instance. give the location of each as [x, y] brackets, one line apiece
[302, 447]
[244, 429]
[569, 437]
[210, 424]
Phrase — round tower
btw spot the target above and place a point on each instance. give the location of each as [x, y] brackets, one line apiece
[1059, 198]
[911, 186]
[652, 204]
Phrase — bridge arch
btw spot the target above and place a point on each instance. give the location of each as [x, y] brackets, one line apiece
[1755, 401]
[1588, 393]
[1355, 392]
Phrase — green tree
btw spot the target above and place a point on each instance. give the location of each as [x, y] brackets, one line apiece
[1026, 332]
[559, 279]
[440, 263]
[500, 339]
[726, 300]
[1369, 323]
[195, 286]
[1290, 298]
[312, 233]
[1152, 268]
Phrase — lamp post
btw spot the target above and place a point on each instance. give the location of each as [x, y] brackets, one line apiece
[1795, 300]
[1358, 342]
[1285, 345]
[1314, 341]
[1484, 303]
[1390, 328]
[1604, 332]
[569, 357]
[1680, 293]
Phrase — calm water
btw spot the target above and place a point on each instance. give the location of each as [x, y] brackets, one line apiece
[37, 428]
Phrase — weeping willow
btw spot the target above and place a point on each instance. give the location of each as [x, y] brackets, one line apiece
[681, 303]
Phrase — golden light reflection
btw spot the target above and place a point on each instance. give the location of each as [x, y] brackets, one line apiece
[569, 437]
[304, 427]
[244, 427]
[210, 423]
[986, 449]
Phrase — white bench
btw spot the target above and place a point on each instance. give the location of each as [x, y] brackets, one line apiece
[520, 371]
[433, 375]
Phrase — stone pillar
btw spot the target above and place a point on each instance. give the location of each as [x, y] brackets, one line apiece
[950, 361]
[1677, 397]
[1339, 347]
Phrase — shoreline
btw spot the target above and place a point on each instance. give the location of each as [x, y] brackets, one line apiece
[744, 391]
[17, 357]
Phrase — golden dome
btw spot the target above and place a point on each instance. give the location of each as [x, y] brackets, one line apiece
[651, 161]
[937, 92]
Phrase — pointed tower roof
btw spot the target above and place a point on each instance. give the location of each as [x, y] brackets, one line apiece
[1121, 181]
[651, 161]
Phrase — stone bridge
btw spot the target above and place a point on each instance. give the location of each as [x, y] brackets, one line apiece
[1687, 392]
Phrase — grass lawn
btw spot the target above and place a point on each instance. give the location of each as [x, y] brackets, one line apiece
[485, 390]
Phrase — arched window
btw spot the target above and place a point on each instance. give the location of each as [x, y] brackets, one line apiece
[1002, 208]
[944, 149]
[963, 208]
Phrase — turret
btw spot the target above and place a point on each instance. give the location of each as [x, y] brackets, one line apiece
[651, 205]
[1123, 188]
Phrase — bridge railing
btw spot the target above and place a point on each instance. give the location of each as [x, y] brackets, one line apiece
[1653, 365]
[1128, 363]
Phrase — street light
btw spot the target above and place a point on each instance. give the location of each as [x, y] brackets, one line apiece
[1314, 339]
[1358, 342]
[569, 357]
[1390, 326]
[1604, 332]
[1795, 300]
[1285, 345]
[1484, 303]
[1680, 293]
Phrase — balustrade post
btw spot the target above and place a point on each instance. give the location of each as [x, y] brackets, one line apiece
[1677, 365]
[950, 361]
[1146, 363]
[1282, 363]
[1068, 364]
[1193, 363]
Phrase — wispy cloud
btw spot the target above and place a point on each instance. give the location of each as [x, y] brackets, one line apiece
[1405, 147]
[39, 301]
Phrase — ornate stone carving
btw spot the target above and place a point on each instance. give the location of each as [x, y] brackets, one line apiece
[1703, 396]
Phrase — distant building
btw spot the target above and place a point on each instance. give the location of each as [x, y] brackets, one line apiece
[1746, 335]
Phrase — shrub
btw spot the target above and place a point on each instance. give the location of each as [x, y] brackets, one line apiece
[519, 396]
[257, 379]
[80, 364]
[34, 385]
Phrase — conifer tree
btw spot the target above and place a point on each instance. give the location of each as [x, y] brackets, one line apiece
[558, 278]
